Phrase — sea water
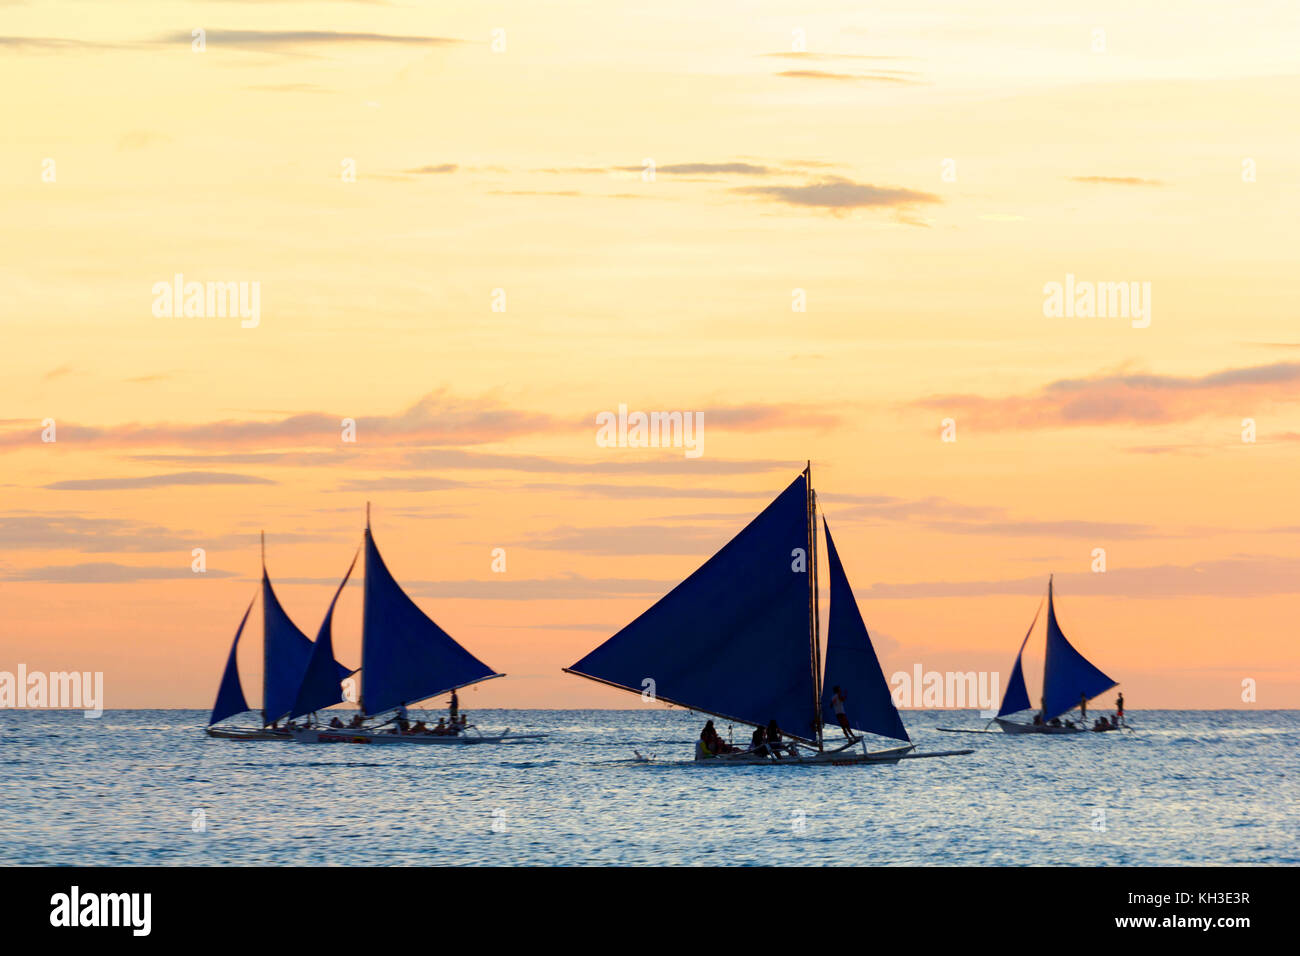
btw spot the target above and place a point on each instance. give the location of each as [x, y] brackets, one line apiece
[148, 787]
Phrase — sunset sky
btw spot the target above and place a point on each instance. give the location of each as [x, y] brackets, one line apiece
[919, 172]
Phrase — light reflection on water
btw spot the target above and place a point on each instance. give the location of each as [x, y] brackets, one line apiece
[1189, 787]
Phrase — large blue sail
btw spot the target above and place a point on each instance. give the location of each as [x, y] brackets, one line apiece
[851, 662]
[230, 695]
[406, 657]
[1016, 698]
[1067, 674]
[320, 681]
[285, 653]
[732, 640]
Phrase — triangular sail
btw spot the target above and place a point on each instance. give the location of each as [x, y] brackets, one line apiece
[1067, 674]
[732, 640]
[851, 662]
[405, 657]
[285, 653]
[1016, 698]
[230, 695]
[320, 681]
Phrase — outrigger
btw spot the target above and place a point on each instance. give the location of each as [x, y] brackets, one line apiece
[740, 639]
[1069, 681]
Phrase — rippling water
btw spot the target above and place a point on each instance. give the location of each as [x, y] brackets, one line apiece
[1187, 787]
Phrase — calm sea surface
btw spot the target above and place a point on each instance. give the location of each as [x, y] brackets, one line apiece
[1188, 787]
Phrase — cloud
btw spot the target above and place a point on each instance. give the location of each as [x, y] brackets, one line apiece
[1115, 181]
[837, 193]
[706, 169]
[1130, 398]
[75, 532]
[570, 587]
[288, 39]
[589, 489]
[896, 76]
[107, 572]
[628, 540]
[436, 418]
[158, 481]
[433, 170]
[1238, 576]
[412, 483]
[55, 44]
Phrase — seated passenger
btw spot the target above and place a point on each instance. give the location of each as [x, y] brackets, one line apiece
[335, 722]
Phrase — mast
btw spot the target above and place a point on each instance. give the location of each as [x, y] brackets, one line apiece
[266, 645]
[1042, 700]
[814, 619]
[365, 599]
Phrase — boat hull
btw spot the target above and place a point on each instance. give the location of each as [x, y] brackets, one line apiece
[1011, 727]
[382, 738]
[838, 758]
[241, 733]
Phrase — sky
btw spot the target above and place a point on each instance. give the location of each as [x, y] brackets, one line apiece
[831, 228]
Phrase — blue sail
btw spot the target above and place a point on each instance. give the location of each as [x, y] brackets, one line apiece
[320, 681]
[732, 640]
[285, 653]
[1016, 698]
[406, 657]
[1067, 674]
[851, 662]
[230, 695]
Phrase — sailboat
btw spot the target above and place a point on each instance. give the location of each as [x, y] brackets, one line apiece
[1068, 678]
[405, 658]
[740, 640]
[285, 654]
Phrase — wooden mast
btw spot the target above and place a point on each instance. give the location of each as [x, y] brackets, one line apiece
[814, 618]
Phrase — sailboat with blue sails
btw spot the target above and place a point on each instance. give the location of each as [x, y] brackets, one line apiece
[405, 658]
[286, 652]
[1069, 680]
[740, 640]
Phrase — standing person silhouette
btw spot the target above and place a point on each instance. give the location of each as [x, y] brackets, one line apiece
[837, 703]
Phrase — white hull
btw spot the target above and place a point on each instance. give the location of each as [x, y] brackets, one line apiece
[247, 733]
[330, 735]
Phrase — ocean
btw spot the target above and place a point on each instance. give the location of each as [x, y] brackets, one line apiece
[149, 787]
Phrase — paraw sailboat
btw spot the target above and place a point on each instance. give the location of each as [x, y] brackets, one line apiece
[740, 640]
[405, 658]
[285, 653]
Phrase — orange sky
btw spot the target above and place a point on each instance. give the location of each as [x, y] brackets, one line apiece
[921, 176]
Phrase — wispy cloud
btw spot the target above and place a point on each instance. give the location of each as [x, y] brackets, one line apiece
[76, 532]
[289, 39]
[158, 481]
[839, 194]
[1127, 398]
[1115, 181]
[107, 572]
[628, 540]
[1238, 576]
[437, 418]
[878, 77]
